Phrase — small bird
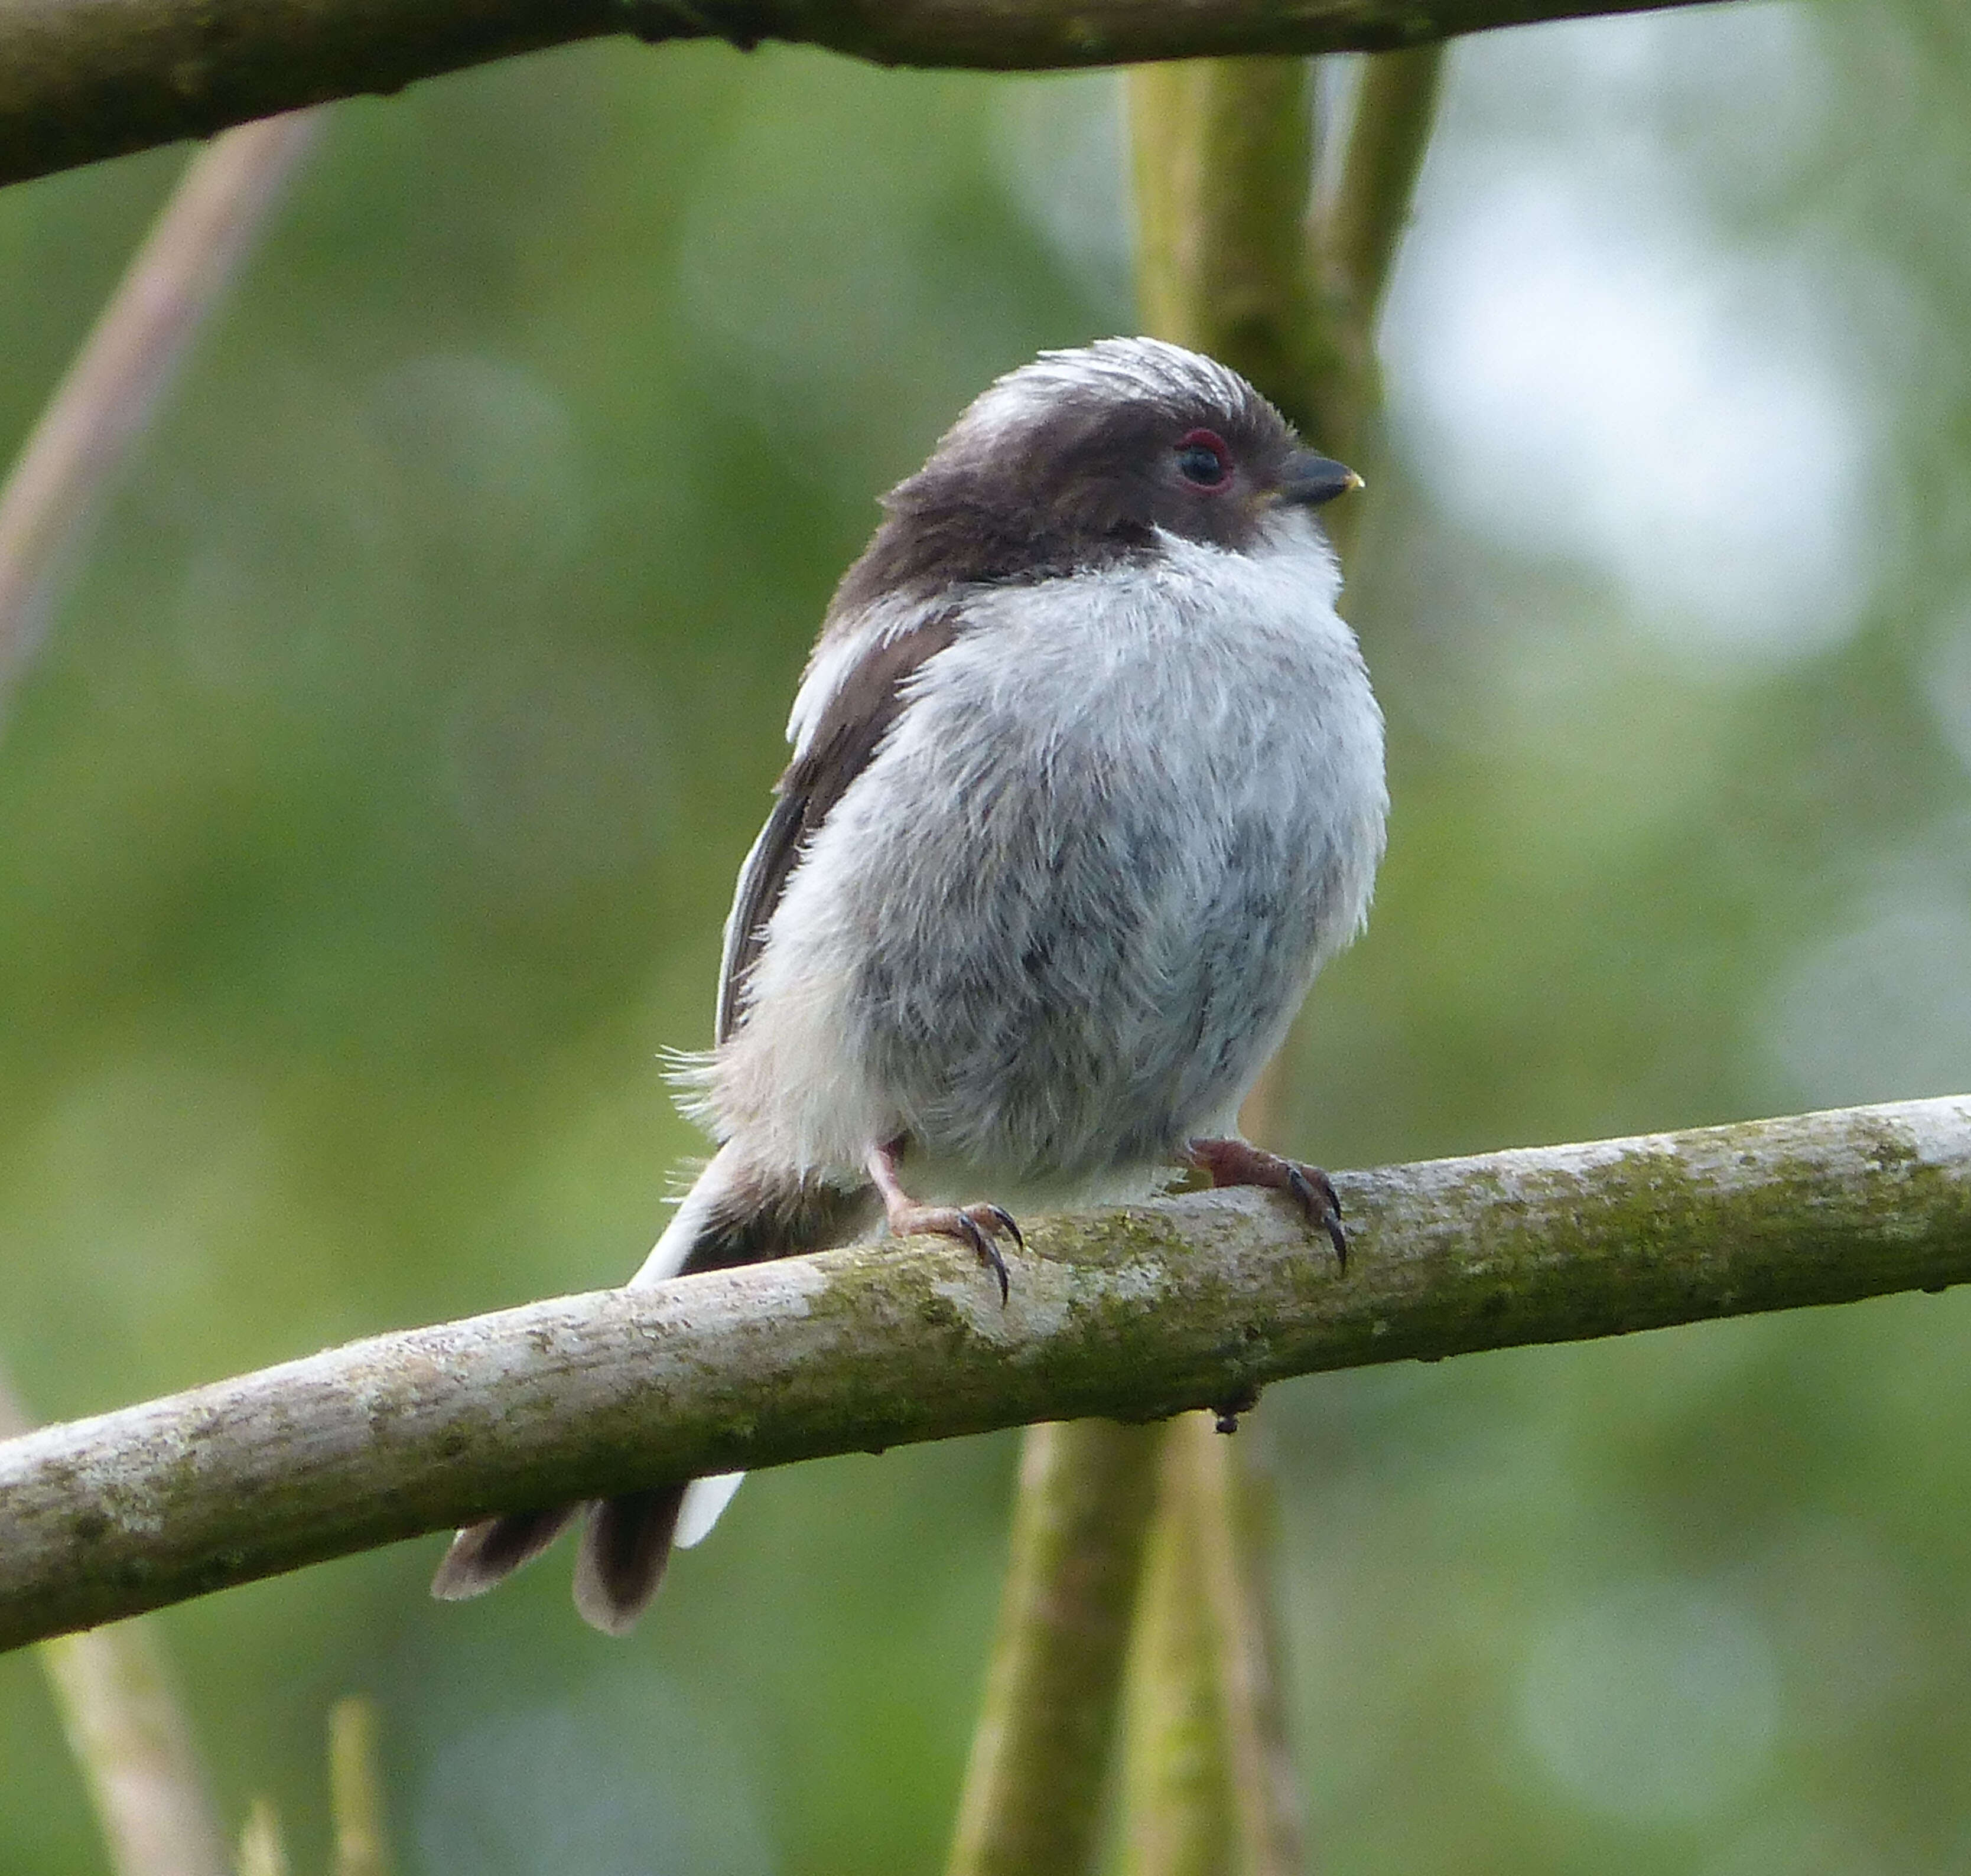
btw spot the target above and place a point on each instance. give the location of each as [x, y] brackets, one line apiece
[1087, 782]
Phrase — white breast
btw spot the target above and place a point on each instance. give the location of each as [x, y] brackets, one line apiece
[1066, 913]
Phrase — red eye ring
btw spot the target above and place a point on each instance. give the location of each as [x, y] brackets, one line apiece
[1203, 460]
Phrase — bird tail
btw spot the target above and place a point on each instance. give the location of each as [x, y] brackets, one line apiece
[731, 1216]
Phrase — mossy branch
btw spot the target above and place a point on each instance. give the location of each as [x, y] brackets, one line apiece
[1130, 1314]
[79, 82]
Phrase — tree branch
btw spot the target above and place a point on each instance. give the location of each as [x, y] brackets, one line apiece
[1131, 1313]
[173, 284]
[81, 82]
[356, 1789]
[1357, 233]
[1230, 260]
[1222, 154]
[1396, 106]
[1032, 1805]
[1232, 1515]
[1179, 1818]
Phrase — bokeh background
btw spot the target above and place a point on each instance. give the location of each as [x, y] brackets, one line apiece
[366, 825]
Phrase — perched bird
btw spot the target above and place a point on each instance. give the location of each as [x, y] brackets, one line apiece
[1087, 783]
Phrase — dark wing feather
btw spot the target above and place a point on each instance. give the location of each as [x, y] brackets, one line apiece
[851, 729]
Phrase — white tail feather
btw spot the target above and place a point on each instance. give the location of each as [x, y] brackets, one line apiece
[705, 1500]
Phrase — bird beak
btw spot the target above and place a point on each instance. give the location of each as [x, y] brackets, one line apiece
[1311, 480]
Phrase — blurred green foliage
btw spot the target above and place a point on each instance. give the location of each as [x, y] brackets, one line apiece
[366, 826]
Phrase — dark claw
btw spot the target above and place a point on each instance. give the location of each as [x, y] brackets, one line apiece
[1005, 1220]
[1315, 1192]
[984, 1249]
[989, 1255]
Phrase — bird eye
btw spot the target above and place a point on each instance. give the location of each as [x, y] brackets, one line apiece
[1202, 458]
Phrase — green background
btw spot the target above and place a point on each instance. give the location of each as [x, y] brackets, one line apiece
[367, 822]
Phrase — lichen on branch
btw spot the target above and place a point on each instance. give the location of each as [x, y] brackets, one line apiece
[79, 82]
[1130, 1314]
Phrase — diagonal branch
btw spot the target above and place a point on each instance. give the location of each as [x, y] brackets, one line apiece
[1130, 1314]
[80, 82]
[1357, 233]
[91, 424]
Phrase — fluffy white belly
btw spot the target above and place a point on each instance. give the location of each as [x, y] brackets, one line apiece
[1057, 926]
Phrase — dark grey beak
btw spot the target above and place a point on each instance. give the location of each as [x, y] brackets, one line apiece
[1311, 480]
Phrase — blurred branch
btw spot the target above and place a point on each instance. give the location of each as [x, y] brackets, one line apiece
[1178, 1818]
[94, 419]
[1209, 1787]
[1229, 1508]
[80, 83]
[1357, 230]
[1130, 1314]
[263, 1850]
[131, 1738]
[1222, 155]
[1363, 220]
[1033, 1790]
[1232, 260]
[356, 1791]
[1222, 152]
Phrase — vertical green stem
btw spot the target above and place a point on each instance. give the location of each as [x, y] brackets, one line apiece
[1222, 154]
[1178, 1815]
[263, 1849]
[1358, 230]
[1209, 1786]
[1363, 222]
[356, 1791]
[1230, 1512]
[1033, 1790]
[1229, 262]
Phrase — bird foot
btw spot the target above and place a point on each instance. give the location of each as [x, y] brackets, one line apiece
[1235, 1163]
[980, 1226]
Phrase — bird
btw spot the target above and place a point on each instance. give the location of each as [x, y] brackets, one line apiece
[1087, 782]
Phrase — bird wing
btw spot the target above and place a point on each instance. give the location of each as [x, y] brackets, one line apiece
[839, 745]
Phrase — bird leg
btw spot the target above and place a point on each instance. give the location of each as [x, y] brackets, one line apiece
[1235, 1163]
[978, 1226]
